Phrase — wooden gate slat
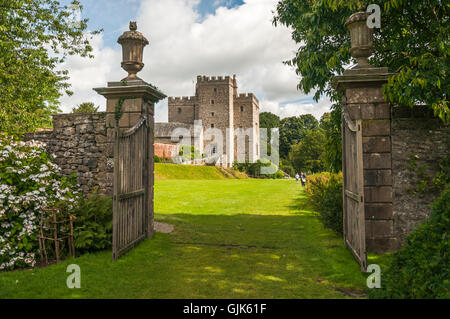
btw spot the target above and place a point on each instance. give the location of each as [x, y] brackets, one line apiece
[130, 187]
[353, 189]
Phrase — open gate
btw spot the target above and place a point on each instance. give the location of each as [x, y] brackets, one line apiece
[131, 188]
[353, 189]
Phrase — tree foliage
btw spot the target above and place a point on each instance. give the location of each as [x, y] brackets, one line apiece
[86, 107]
[308, 155]
[412, 41]
[330, 123]
[269, 120]
[36, 36]
[293, 129]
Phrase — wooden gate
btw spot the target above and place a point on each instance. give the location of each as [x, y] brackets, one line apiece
[131, 180]
[353, 189]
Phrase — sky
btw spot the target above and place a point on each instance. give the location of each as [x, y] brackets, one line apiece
[190, 38]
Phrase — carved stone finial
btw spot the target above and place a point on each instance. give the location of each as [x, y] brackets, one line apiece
[361, 38]
[133, 43]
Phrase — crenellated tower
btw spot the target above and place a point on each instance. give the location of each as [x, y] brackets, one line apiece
[218, 105]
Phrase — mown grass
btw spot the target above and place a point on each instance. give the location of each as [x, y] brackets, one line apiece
[232, 239]
[173, 171]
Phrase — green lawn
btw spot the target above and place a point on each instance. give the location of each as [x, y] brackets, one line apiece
[173, 171]
[233, 239]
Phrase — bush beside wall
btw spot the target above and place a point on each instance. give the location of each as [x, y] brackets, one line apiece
[421, 269]
[325, 195]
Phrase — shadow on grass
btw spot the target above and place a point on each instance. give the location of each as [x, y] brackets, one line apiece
[239, 255]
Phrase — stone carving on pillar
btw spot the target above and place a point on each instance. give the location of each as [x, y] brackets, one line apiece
[133, 43]
[361, 38]
[134, 95]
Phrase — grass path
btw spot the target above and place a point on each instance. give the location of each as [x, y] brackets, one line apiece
[232, 239]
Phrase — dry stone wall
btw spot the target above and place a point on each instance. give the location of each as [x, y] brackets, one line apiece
[80, 145]
[417, 136]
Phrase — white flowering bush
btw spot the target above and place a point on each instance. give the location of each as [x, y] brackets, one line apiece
[29, 182]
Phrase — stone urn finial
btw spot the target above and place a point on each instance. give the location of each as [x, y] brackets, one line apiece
[133, 43]
[361, 38]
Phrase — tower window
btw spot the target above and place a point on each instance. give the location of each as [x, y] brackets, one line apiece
[212, 125]
[215, 90]
[212, 113]
[242, 109]
[179, 110]
[212, 101]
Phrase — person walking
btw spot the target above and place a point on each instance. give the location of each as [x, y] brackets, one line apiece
[297, 177]
[303, 179]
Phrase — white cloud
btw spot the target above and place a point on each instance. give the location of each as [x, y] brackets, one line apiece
[240, 40]
[86, 74]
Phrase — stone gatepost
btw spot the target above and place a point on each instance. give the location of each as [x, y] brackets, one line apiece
[131, 97]
[363, 99]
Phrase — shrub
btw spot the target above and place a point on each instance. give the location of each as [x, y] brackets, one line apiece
[157, 159]
[421, 269]
[254, 169]
[279, 174]
[29, 182]
[325, 195]
[189, 152]
[93, 224]
[288, 169]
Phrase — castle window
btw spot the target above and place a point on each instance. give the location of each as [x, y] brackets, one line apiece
[242, 109]
[214, 149]
[212, 125]
[179, 110]
[212, 101]
[215, 90]
[212, 113]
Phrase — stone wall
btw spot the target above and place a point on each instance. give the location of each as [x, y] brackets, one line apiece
[182, 110]
[416, 133]
[80, 145]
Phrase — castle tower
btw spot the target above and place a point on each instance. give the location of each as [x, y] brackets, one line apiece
[218, 105]
[215, 109]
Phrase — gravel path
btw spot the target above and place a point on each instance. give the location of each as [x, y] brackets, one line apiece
[163, 228]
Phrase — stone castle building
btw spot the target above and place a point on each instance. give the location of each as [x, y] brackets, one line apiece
[216, 109]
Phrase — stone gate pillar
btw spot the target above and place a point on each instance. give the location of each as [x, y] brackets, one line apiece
[129, 99]
[362, 98]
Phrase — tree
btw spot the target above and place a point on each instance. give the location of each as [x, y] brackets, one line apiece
[86, 107]
[308, 155]
[269, 121]
[36, 36]
[293, 129]
[412, 41]
[330, 123]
